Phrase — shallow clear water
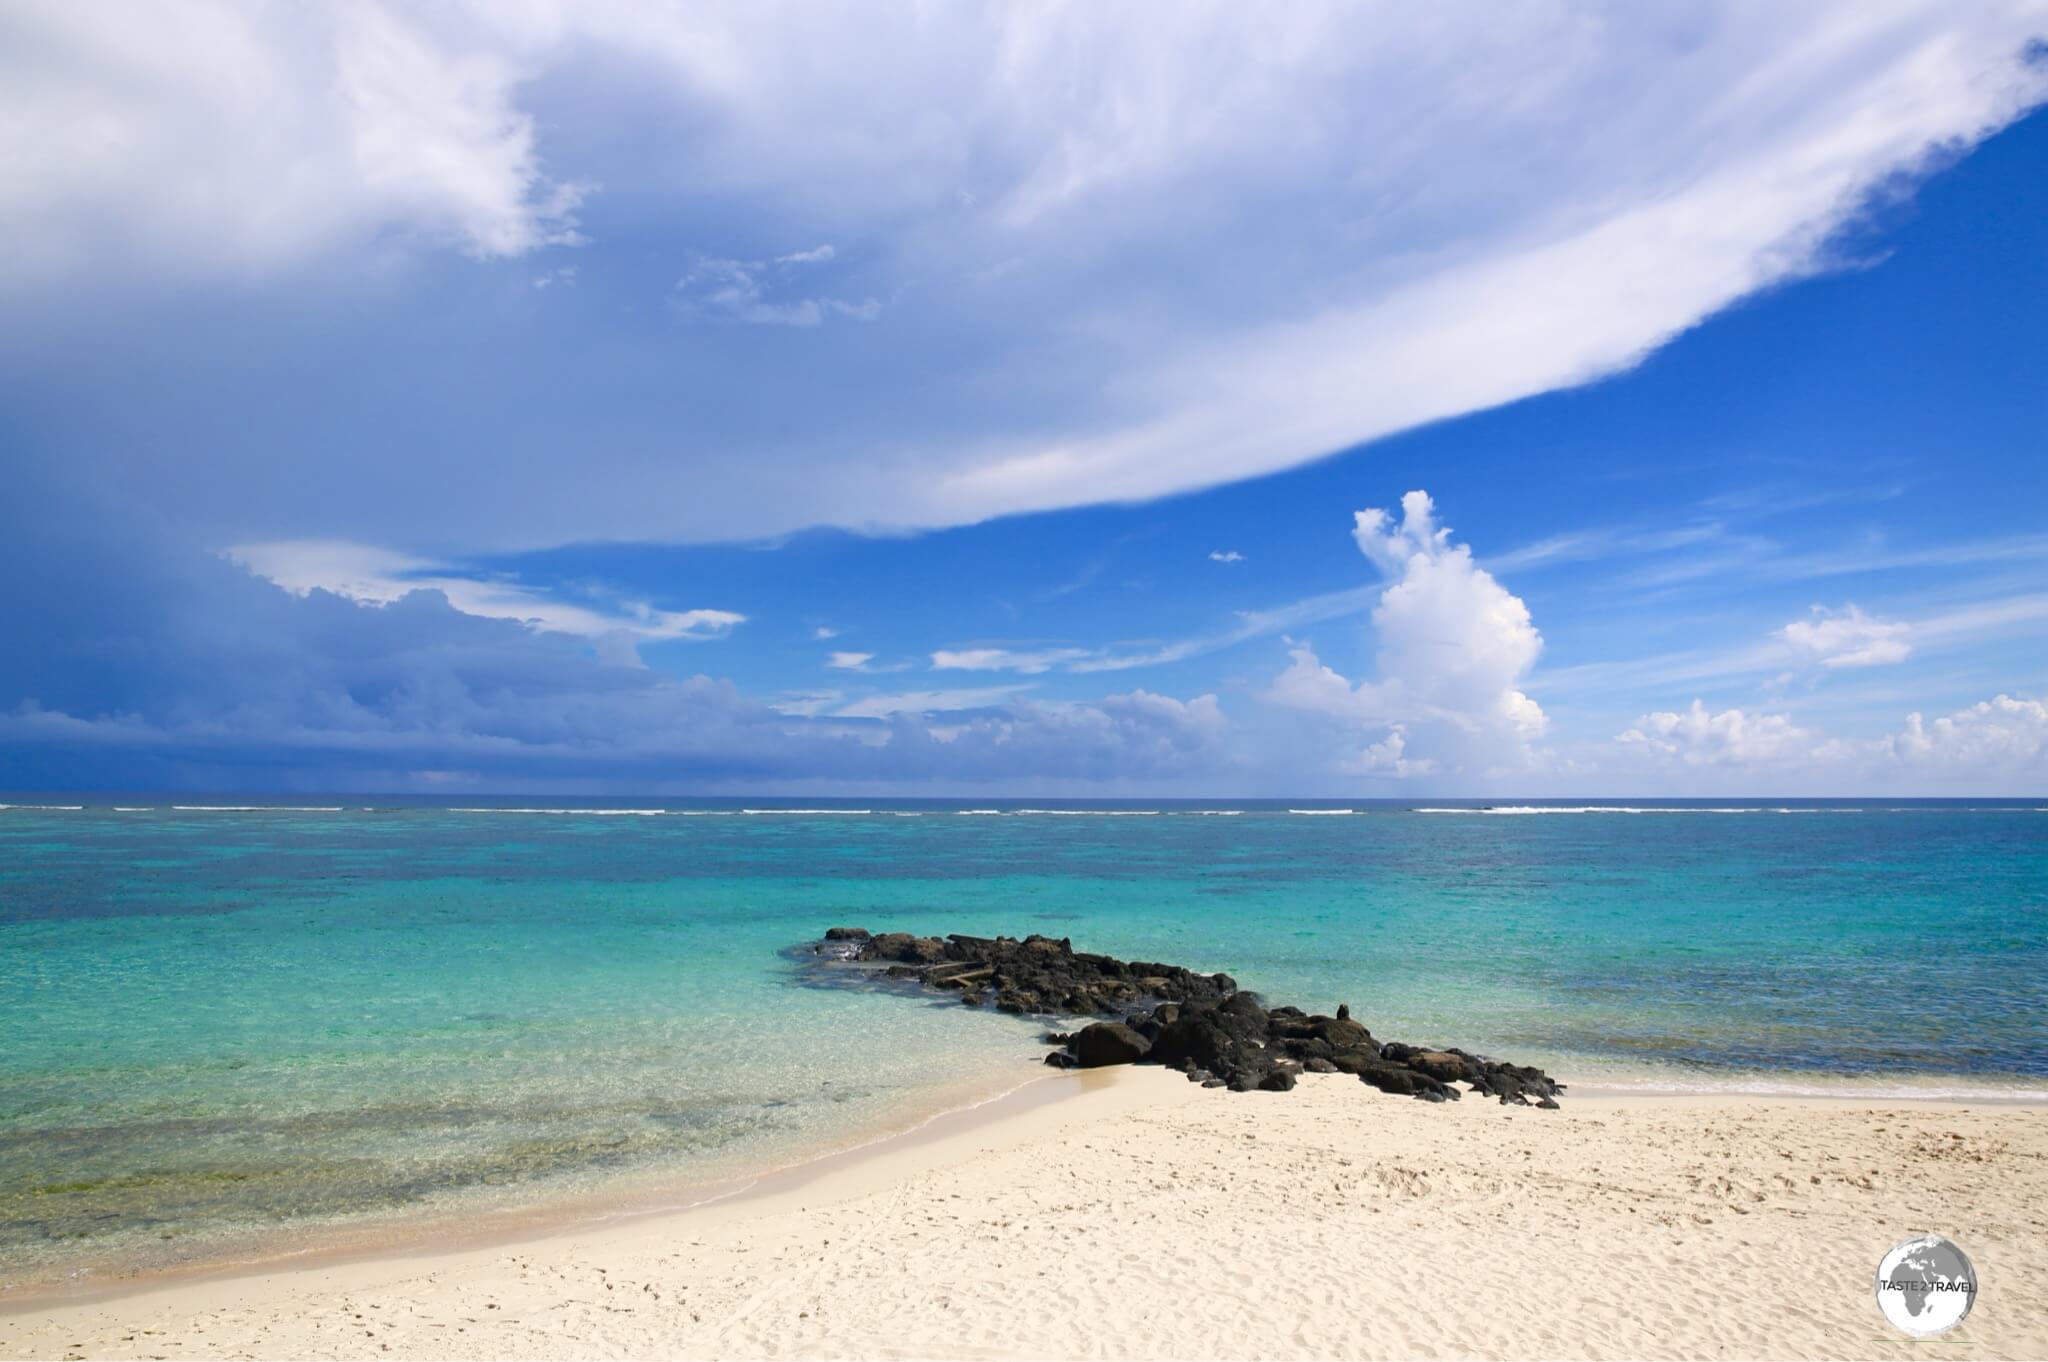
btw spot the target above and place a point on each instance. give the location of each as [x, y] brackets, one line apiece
[215, 1022]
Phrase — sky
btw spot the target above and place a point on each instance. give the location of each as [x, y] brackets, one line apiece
[1066, 400]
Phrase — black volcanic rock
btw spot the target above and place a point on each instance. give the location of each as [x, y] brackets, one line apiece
[1200, 1024]
[1103, 1043]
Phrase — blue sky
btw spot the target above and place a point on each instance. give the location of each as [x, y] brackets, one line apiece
[1159, 401]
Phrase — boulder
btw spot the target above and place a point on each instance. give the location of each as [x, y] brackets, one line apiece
[1405, 1082]
[1340, 1033]
[1104, 1043]
[846, 934]
[1441, 1065]
[1356, 1061]
[903, 947]
[1245, 1006]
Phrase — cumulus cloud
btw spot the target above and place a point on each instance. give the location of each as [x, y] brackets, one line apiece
[850, 662]
[1426, 214]
[1453, 648]
[2003, 735]
[1997, 744]
[1387, 757]
[1225, 556]
[1729, 738]
[1848, 638]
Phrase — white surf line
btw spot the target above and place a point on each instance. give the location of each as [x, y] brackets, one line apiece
[1323, 813]
[806, 812]
[1092, 813]
[1518, 810]
[46, 808]
[256, 808]
[598, 813]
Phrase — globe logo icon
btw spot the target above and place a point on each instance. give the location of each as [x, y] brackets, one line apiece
[1925, 1285]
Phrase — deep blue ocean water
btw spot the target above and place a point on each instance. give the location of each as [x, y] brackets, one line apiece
[219, 1023]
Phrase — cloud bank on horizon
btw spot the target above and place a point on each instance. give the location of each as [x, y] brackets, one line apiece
[336, 332]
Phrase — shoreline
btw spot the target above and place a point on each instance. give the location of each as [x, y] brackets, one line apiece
[444, 1230]
[1041, 1119]
[440, 1230]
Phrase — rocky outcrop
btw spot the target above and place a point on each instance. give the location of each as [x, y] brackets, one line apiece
[1039, 976]
[1200, 1024]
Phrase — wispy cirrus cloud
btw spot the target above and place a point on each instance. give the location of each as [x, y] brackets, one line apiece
[1027, 660]
[1926, 632]
[929, 701]
[764, 292]
[375, 576]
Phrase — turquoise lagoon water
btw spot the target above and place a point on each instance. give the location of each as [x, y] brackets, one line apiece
[222, 1025]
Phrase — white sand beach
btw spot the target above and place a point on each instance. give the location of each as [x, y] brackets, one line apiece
[1142, 1216]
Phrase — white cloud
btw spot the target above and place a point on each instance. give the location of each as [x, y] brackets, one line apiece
[1223, 556]
[1998, 736]
[1250, 624]
[806, 703]
[763, 292]
[1028, 661]
[1997, 744]
[1453, 648]
[1428, 213]
[374, 576]
[825, 631]
[1730, 738]
[929, 701]
[1386, 757]
[850, 662]
[1848, 638]
[233, 139]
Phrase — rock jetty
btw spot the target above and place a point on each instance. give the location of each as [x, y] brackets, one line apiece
[1201, 1024]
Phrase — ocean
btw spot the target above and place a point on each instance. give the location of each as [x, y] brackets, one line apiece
[233, 1026]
